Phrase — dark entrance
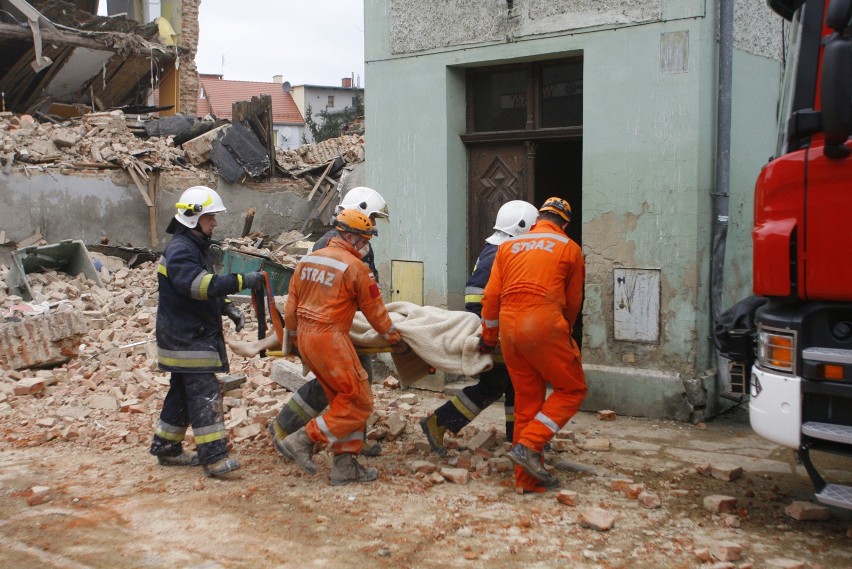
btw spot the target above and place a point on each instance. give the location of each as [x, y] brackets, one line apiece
[524, 141]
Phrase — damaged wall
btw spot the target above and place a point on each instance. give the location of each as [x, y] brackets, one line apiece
[102, 204]
[648, 162]
[188, 72]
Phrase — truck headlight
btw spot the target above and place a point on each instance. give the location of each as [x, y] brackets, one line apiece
[776, 349]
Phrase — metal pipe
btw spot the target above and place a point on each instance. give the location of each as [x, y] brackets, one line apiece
[723, 158]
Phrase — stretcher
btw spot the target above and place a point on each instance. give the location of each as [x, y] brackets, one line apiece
[261, 305]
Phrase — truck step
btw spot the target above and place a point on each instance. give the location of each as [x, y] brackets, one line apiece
[828, 432]
[836, 495]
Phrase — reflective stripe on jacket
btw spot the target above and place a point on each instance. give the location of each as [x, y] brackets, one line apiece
[189, 309]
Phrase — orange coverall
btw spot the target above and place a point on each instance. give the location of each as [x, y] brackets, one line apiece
[531, 301]
[326, 289]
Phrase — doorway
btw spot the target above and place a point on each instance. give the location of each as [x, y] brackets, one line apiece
[559, 173]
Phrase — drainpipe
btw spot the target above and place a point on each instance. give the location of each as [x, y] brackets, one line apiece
[723, 162]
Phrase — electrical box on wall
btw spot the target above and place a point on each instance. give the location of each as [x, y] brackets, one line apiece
[636, 310]
[407, 281]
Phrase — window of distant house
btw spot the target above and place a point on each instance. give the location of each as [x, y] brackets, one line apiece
[330, 101]
[202, 94]
[529, 96]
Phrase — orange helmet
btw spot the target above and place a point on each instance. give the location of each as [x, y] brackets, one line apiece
[558, 206]
[354, 221]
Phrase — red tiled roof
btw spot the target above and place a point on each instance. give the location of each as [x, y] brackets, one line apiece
[221, 94]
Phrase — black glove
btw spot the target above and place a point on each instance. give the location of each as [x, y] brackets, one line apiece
[236, 315]
[401, 348]
[254, 280]
[484, 347]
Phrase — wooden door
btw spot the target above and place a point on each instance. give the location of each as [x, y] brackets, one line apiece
[497, 173]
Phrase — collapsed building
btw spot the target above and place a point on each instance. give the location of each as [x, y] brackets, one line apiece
[85, 155]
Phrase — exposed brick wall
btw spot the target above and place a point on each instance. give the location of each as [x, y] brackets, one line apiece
[39, 341]
[188, 73]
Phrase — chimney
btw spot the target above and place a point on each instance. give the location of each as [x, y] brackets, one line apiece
[278, 79]
[346, 82]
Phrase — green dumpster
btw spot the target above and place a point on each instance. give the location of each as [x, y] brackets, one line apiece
[228, 261]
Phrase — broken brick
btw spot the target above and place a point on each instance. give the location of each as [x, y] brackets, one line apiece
[596, 519]
[455, 475]
[807, 511]
[38, 495]
[720, 504]
[726, 472]
[726, 550]
[567, 497]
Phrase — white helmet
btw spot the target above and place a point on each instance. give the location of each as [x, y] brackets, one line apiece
[195, 202]
[366, 200]
[514, 218]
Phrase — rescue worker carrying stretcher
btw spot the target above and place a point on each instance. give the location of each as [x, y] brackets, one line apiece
[190, 342]
[513, 218]
[531, 302]
[310, 400]
[326, 289]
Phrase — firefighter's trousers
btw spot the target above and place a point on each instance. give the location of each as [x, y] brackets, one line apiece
[193, 399]
[307, 402]
[329, 353]
[461, 409]
[538, 349]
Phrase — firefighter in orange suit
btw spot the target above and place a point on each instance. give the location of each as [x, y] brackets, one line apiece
[531, 301]
[326, 289]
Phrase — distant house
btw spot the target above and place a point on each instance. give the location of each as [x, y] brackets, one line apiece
[217, 95]
[330, 99]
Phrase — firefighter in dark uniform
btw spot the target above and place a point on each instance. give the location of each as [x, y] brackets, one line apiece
[190, 342]
[310, 399]
[514, 218]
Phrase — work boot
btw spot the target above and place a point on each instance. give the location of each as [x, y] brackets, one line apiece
[221, 467]
[346, 469]
[434, 432]
[300, 448]
[551, 483]
[371, 448]
[278, 443]
[529, 460]
[182, 459]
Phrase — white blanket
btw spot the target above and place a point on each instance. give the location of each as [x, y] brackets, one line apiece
[446, 340]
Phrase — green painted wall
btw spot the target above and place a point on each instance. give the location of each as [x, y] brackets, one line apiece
[648, 173]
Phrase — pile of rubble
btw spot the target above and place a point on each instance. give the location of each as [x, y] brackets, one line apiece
[111, 140]
[95, 141]
[109, 391]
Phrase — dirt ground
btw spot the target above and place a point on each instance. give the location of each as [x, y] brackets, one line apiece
[113, 506]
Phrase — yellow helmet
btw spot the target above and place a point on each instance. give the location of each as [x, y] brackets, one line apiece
[558, 206]
[354, 221]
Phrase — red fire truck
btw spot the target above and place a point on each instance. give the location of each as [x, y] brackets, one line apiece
[801, 377]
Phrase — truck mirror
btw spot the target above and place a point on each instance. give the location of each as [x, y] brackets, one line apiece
[837, 81]
[838, 14]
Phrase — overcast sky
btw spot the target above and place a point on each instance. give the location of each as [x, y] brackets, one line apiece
[316, 42]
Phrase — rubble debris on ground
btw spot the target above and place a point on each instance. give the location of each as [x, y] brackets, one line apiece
[111, 140]
[109, 394]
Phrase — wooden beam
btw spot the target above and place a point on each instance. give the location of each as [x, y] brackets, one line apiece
[143, 191]
[317, 185]
[140, 46]
[248, 221]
